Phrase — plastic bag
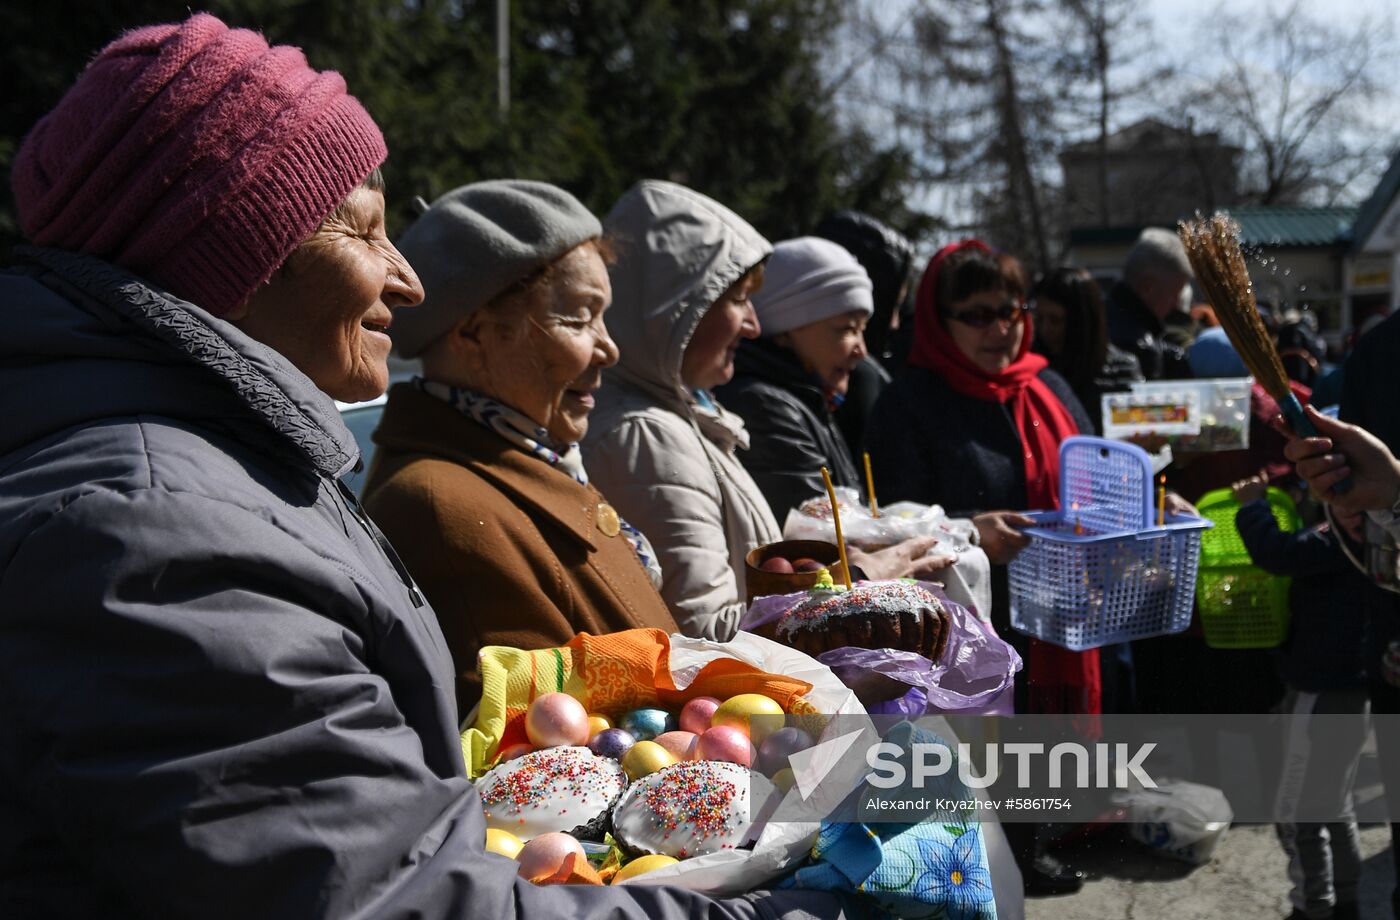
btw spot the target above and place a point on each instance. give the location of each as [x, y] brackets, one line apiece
[968, 582]
[974, 675]
[618, 669]
[1185, 821]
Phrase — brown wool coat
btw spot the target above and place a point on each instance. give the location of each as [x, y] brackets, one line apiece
[507, 549]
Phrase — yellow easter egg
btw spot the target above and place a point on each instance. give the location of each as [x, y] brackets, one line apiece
[503, 842]
[645, 758]
[736, 711]
[642, 865]
[597, 723]
[784, 780]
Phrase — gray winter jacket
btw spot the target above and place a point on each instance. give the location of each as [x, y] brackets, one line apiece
[668, 465]
[219, 695]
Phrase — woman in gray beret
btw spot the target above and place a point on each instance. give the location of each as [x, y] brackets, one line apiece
[478, 478]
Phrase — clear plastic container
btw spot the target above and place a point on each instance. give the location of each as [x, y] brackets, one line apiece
[1195, 415]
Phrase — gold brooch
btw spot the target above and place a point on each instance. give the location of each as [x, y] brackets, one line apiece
[608, 521]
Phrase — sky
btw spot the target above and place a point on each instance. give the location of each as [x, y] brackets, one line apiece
[1177, 32]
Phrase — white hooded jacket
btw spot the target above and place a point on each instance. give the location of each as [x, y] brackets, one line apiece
[668, 465]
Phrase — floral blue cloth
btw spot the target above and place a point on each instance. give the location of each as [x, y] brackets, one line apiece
[522, 431]
[936, 869]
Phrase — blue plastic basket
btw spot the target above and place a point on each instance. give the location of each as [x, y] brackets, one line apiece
[1123, 576]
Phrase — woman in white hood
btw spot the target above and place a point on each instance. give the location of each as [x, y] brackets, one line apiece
[659, 446]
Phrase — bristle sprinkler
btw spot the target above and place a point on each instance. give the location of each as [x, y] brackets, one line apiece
[1213, 246]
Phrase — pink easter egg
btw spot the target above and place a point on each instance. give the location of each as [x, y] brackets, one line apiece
[545, 854]
[681, 744]
[516, 750]
[695, 715]
[556, 719]
[724, 742]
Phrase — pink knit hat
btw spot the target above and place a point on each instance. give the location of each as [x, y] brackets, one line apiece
[196, 156]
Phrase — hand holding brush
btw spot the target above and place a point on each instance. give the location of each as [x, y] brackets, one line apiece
[1213, 246]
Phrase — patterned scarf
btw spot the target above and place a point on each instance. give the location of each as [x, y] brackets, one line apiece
[521, 431]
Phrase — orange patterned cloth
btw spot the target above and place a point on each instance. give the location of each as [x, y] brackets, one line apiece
[609, 674]
[574, 870]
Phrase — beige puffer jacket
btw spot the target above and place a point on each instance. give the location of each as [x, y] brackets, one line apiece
[667, 464]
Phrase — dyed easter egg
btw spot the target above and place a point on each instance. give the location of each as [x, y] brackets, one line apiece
[645, 758]
[611, 742]
[736, 710]
[784, 780]
[516, 750]
[680, 744]
[646, 724]
[503, 842]
[545, 854]
[696, 714]
[776, 748]
[556, 719]
[726, 743]
[642, 865]
[598, 723]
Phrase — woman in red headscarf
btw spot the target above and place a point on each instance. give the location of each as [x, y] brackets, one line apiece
[975, 424]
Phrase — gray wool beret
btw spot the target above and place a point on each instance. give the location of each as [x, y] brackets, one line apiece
[478, 240]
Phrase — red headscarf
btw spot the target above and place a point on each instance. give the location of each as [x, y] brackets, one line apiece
[1041, 419]
[1061, 681]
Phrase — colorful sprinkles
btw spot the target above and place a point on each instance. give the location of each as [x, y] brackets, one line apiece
[877, 598]
[544, 776]
[696, 797]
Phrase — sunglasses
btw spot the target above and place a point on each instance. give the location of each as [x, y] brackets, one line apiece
[983, 317]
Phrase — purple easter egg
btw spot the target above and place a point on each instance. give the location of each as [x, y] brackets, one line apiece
[611, 742]
[776, 748]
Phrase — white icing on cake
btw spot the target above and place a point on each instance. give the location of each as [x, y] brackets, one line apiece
[556, 789]
[690, 809]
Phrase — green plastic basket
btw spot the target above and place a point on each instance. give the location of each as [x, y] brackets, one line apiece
[1241, 605]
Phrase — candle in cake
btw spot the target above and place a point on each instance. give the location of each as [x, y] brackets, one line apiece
[836, 519]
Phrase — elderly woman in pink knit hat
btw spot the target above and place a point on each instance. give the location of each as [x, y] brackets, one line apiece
[220, 693]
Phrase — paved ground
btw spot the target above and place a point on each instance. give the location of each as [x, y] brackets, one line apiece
[1245, 881]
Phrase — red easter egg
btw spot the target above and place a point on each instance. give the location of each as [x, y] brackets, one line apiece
[778, 565]
[681, 744]
[696, 714]
[807, 565]
[723, 742]
[516, 750]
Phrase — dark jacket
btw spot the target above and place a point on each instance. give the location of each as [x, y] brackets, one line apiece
[1137, 330]
[219, 695]
[1323, 649]
[867, 385]
[791, 433]
[1370, 385]
[931, 444]
[508, 549]
[1119, 372]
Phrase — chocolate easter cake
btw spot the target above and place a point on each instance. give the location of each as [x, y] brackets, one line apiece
[690, 809]
[874, 614]
[567, 789]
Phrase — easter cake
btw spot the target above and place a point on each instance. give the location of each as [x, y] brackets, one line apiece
[874, 614]
[568, 789]
[691, 809]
